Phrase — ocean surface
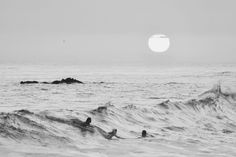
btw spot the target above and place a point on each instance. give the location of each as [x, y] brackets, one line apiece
[188, 111]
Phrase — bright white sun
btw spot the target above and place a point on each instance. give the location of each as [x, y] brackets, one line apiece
[159, 43]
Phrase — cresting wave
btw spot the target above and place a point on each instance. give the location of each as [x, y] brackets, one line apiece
[213, 112]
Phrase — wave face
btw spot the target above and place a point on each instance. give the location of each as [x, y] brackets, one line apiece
[182, 117]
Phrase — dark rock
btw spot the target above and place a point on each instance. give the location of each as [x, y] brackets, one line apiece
[67, 81]
[57, 82]
[29, 82]
[46, 82]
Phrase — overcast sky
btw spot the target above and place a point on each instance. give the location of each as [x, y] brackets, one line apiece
[115, 32]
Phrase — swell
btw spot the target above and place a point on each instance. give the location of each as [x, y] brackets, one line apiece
[24, 125]
[213, 111]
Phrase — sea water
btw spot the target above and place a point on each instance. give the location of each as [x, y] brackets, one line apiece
[187, 110]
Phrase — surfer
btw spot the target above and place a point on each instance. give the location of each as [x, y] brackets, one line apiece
[87, 122]
[77, 122]
[84, 126]
[111, 134]
[108, 135]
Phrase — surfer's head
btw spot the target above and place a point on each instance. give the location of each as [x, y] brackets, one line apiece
[88, 121]
[144, 133]
[114, 130]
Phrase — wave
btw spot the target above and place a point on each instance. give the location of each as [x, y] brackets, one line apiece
[213, 111]
[175, 83]
[23, 125]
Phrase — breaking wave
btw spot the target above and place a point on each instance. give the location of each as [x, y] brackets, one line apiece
[213, 112]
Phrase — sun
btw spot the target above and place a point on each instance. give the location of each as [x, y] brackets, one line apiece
[159, 43]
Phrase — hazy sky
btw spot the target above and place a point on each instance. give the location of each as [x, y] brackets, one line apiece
[115, 32]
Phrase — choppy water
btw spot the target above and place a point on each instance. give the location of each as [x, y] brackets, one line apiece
[189, 111]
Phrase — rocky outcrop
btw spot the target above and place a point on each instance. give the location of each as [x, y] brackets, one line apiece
[29, 82]
[67, 81]
[62, 81]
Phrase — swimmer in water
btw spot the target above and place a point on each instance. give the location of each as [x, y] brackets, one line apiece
[84, 126]
[80, 123]
[113, 133]
[145, 134]
[87, 122]
[109, 135]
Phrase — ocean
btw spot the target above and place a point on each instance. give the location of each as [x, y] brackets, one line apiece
[187, 111]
